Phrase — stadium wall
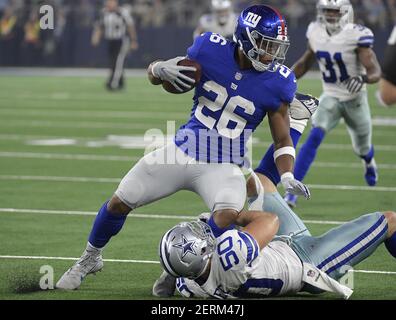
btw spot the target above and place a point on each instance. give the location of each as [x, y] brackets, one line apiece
[73, 48]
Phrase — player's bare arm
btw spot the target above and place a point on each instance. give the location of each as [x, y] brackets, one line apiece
[369, 60]
[262, 226]
[284, 152]
[280, 129]
[304, 63]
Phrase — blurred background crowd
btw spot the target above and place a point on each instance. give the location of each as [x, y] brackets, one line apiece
[164, 28]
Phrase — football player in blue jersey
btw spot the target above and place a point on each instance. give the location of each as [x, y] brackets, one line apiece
[241, 83]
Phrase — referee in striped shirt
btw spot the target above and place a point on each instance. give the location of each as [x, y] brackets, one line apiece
[118, 29]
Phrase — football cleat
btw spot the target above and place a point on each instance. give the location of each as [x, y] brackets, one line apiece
[371, 174]
[164, 286]
[290, 199]
[89, 263]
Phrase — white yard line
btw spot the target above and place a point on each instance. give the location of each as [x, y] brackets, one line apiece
[65, 156]
[74, 259]
[117, 180]
[132, 115]
[11, 257]
[136, 215]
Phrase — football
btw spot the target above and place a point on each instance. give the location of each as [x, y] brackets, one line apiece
[194, 75]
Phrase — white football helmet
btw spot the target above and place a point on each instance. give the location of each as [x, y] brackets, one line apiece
[334, 14]
[222, 10]
[185, 250]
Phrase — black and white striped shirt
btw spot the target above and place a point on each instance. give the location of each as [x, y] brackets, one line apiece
[115, 23]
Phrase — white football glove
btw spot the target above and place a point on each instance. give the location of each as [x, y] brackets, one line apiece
[293, 186]
[355, 84]
[171, 72]
[303, 106]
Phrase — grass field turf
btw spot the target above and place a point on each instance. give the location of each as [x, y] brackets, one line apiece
[34, 108]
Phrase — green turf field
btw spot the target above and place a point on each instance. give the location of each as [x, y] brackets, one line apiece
[56, 189]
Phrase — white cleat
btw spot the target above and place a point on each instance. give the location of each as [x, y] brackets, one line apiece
[88, 264]
[165, 286]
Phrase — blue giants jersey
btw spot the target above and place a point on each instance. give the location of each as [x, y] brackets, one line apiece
[229, 103]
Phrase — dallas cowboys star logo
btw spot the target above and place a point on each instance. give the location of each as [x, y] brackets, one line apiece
[186, 246]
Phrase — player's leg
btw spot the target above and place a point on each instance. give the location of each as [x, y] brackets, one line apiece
[347, 245]
[117, 81]
[222, 186]
[152, 178]
[325, 119]
[113, 50]
[358, 119]
[289, 223]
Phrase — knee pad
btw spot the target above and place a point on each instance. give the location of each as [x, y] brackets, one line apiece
[130, 192]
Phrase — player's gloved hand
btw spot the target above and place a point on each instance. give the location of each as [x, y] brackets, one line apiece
[294, 186]
[171, 72]
[204, 216]
[355, 84]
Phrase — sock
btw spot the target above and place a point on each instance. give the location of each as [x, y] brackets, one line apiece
[106, 225]
[267, 165]
[369, 157]
[90, 249]
[307, 154]
[390, 244]
[217, 231]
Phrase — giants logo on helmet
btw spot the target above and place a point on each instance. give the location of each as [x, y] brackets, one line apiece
[252, 19]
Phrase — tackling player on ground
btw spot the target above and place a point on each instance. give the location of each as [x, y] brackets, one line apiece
[347, 61]
[241, 83]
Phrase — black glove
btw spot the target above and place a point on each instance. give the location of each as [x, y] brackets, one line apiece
[355, 84]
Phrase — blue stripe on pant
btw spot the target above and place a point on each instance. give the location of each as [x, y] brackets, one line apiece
[348, 244]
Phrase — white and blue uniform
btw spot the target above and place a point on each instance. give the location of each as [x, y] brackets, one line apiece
[208, 151]
[239, 269]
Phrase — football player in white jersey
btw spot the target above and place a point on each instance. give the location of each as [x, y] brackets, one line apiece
[345, 57]
[258, 260]
[221, 20]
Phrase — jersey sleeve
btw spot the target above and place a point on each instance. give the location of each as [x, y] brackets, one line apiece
[310, 31]
[194, 52]
[236, 249]
[364, 37]
[288, 91]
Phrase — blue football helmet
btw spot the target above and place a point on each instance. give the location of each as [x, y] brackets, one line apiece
[262, 31]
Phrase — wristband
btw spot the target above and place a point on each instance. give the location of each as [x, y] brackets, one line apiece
[285, 150]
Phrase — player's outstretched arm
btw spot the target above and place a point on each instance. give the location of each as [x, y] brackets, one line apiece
[369, 60]
[262, 226]
[284, 152]
[373, 70]
[304, 63]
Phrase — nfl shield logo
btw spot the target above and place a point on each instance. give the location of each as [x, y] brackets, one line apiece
[238, 76]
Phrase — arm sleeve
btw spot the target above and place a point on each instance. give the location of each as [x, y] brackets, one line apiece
[365, 37]
[194, 52]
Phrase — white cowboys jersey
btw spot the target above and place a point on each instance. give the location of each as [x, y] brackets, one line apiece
[209, 23]
[239, 269]
[337, 57]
